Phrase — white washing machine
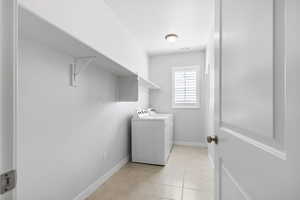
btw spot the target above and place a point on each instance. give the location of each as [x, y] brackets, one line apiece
[151, 137]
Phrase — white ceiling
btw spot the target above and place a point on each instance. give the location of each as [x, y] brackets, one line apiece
[150, 20]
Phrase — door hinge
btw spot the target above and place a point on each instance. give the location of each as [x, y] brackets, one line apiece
[7, 181]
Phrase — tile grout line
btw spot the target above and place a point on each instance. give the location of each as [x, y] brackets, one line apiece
[182, 187]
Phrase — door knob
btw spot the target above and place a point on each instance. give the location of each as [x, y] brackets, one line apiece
[212, 138]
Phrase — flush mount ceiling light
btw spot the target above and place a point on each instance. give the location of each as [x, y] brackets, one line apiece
[185, 49]
[171, 37]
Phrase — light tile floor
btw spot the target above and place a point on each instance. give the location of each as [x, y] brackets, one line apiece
[187, 176]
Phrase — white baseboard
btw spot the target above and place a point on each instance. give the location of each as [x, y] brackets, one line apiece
[94, 186]
[211, 160]
[193, 144]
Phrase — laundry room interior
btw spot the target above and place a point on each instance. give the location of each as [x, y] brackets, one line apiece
[115, 100]
[149, 100]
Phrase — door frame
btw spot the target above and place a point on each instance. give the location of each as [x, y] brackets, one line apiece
[16, 90]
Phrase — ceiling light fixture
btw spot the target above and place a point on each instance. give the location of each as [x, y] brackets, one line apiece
[171, 37]
[185, 49]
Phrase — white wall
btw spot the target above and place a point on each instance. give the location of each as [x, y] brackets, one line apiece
[189, 123]
[93, 22]
[68, 137]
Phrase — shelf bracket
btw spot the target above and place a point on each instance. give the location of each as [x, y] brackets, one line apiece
[79, 65]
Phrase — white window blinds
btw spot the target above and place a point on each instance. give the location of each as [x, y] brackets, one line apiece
[185, 87]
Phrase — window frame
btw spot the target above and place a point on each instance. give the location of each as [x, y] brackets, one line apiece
[186, 106]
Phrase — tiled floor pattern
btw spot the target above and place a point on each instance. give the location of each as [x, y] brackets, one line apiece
[188, 176]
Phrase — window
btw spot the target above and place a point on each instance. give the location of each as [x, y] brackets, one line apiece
[185, 87]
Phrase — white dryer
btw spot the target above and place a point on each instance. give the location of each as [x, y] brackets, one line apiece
[151, 137]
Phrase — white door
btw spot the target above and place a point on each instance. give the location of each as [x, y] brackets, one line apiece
[257, 99]
[7, 66]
